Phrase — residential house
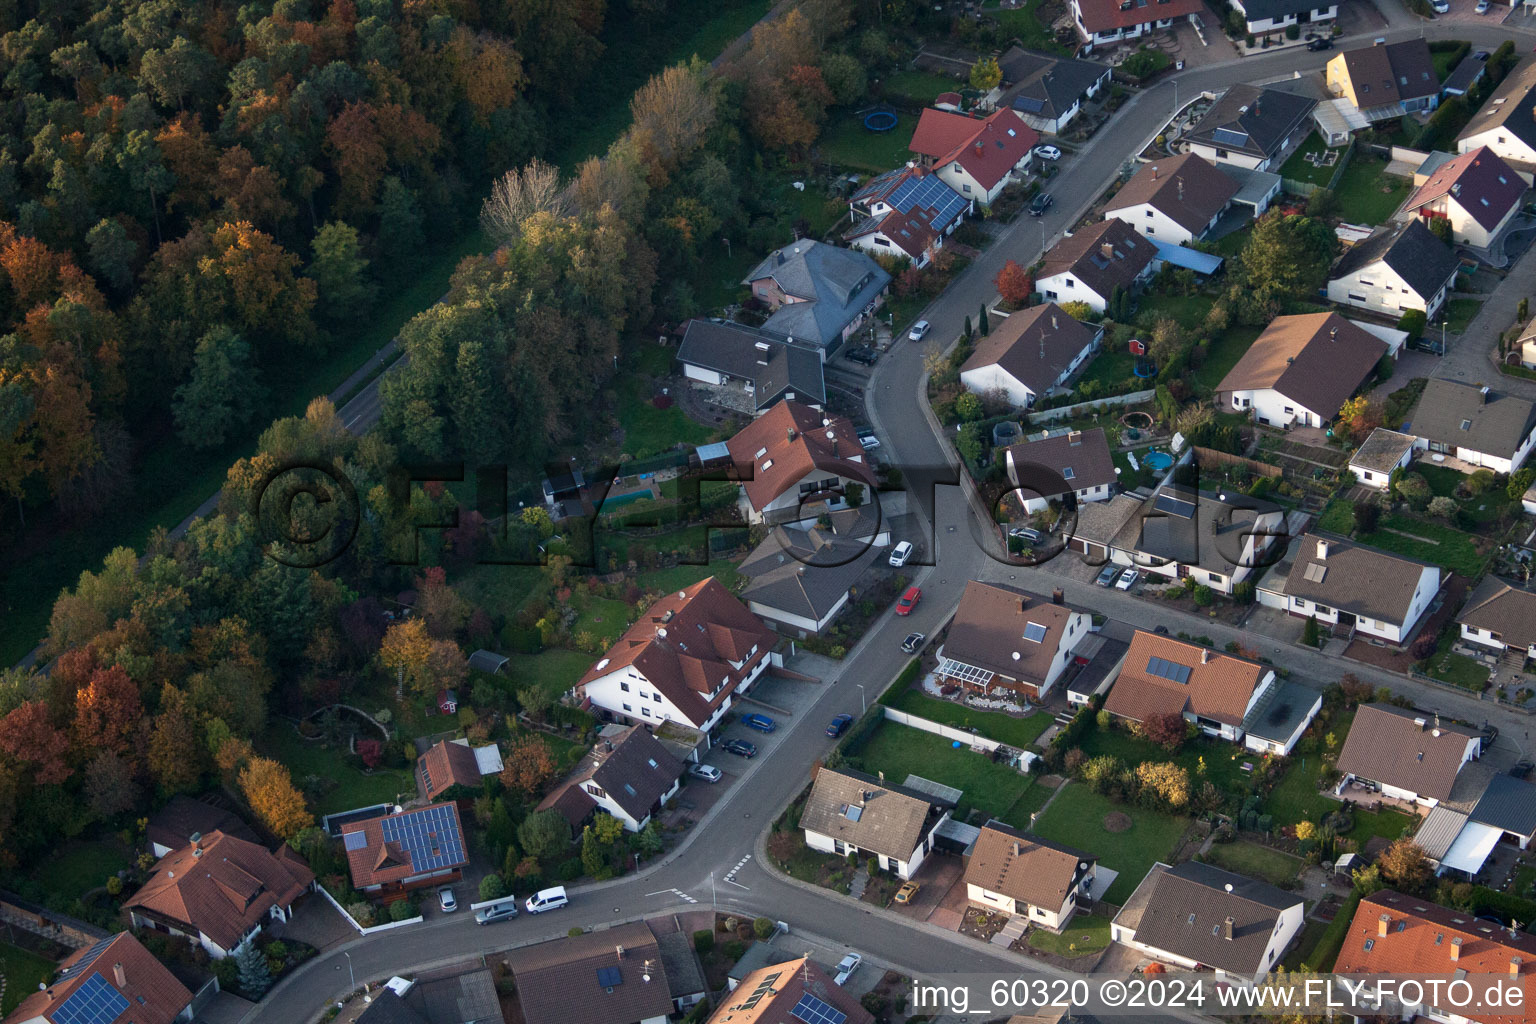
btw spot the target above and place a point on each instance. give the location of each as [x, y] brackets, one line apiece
[113, 981]
[977, 157]
[1460, 833]
[1267, 17]
[1176, 200]
[1475, 424]
[1101, 22]
[1477, 192]
[685, 659]
[1398, 268]
[1386, 81]
[1197, 916]
[1352, 588]
[1508, 806]
[793, 992]
[1100, 523]
[219, 891]
[410, 849]
[1506, 122]
[1405, 754]
[1301, 370]
[450, 763]
[1080, 458]
[1166, 676]
[1382, 454]
[685, 975]
[1501, 616]
[1251, 127]
[1026, 876]
[767, 367]
[1392, 933]
[173, 826]
[1047, 90]
[759, 954]
[1470, 70]
[819, 293]
[1104, 658]
[1029, 353]
[803, 574]
[907, 213]
[850, 812]
[1003, 641]
[600, 977]
[627, 774]
[795, 462]
[450, 995]
[1276, 721]
[1526, 346]
[1216, 539]
[1088, 266]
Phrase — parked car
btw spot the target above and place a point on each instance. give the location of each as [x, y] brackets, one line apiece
[907, 891]
[503, 911]
[900, 553]
[1481, 8]
[547, 899]
[1489, 734]
[846, 966]
[1441, 6]
[741, 748]
[839, 725]
[1127, 579]
[1320, 43]
[707, 772]
[1106, 577]
[762, 723]
[1160, 630]
[1026, 533]
[1522, 769]
[912, 642]
[909, 600]
[919, 330]
[1047, 152]
[1040, 204]
[446, 901]
[869, 442]
[863, 354]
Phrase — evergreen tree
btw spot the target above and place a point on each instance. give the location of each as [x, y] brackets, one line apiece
[1310, 633]
[255, 979]
[985, 329]
[967, 327]
[222, 394]
[340, 273]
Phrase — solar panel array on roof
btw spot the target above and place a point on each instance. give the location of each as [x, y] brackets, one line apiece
[1174, 505]
[816, 1011]
[430, 837]
[356, 840]
[1231, 137]
[609, 977]
[927, 192]
[763, 988]
[1034, 632]
[94, 1002]
[1028, 104]
[1165, 669]
[84, 963]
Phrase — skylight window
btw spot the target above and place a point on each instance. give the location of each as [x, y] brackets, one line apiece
[1034, 632]
[1068, 473]
[1466, 424]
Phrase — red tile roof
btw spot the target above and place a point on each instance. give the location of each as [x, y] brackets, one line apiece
[1480, 182]
[769, 995]
[447, 765]
[153, 993]
[1219, 686]
[776, 451]
[376, 862]
[987, 149]
[1109, 15]
[941, 132]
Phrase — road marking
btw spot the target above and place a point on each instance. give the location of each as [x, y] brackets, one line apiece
[730, 876]
[676, 892]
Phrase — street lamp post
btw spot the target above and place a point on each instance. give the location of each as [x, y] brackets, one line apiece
[350, 975]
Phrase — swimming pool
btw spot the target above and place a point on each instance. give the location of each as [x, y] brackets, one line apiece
[1157, 461]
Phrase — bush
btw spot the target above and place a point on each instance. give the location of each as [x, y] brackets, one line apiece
[1415, 490]
[1204, 596]
[401, 910]
[575, 931]
[1293, 31]
[1413, 321]
[569, 870]
[703, 941]
[1442, 507]
[1367, 515]
[492, 887]
[763, 927]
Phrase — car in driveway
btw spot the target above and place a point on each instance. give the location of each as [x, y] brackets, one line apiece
[908, 601]
[846, 966]
[741, 748]
[919, 330]
[1106, 576]
[1026, 533]
[1320, 43]
[1441, 6]
[1047, 152]
[912, 642]
[1481, 8]
[863, 354]
[1522, 769]
[1040, 204]
[446, 901]
[900, 553]
[762, 723]
[869, 442]
[907, 891]
[839, 725]
[1127, 579]
[707, 772]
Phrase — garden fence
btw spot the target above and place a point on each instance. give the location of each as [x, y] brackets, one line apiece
[1068, 411]
[1213, 457]
[975, 740]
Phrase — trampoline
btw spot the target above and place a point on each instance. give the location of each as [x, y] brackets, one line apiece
[880, 121]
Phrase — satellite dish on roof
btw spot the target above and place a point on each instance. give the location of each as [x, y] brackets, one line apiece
[1228, 887]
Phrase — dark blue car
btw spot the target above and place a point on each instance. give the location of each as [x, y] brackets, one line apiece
[838, 725]
[762, 723]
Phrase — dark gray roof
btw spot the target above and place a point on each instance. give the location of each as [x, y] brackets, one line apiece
[1092, 676]
[388, 1008]
[636, 772]
[1043, 84]
[805, 572]
[1355, 578]
[1511, 107]
[1508, 803]
[1465, 416]
[758, 956]
[1280, 710]
[1413, 253]
[684, 975]
[467, 997]
[1465, 74]
[834, 284]
[1382, 451]
[1185, 909]
[1258, 10]
[773, 365]
[1209, 535]
[1251, 120]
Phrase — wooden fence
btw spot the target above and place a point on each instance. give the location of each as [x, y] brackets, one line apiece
[1213, 457]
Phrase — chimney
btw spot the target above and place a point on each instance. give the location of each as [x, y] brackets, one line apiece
[1054, 325]
[1514, 966]
[1383, 923]
[1482, 393]
[1074, 438]
[1154, 172]
[1322, 550]
[1226, 928]
[1333, 333]
[619, 951]
[980, 146]
[1456, 949]
[196, 839]
[1017, 850]
[882, 775]
[1181, 189]
[121, 977]
[1057, 597]
[1107, 250]
[1205, 655]
[790, 432]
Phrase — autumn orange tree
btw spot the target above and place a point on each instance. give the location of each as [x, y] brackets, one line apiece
[528, 767]
[1404, 865]
[1014, 284]
[1360, 416]
[27, 735]
[269, 790]
[108, 712]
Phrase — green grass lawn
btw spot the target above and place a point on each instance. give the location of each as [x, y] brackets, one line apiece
[846, 143]
[919, 87]
[81, 867]
[1368, 195]
[994, 725]
[1110, 368]
[1459, 314]
[1256, 861]
[23, 972]
[1223, 761]
[993, 789]
[1298, 168]
[1076, 818]
[1525, 883]
[1295, 797]
[1085, 934]
[1129, 478]
[1338, 517]
[304, 758]
[677, 578]
[603, 617]
[1223, 353]
[554, 670]
[1311, 933]
[648, 430]
[1026, 24]
[1188, 310]
[1443, 545]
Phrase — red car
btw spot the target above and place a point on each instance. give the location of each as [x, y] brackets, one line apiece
[909, 600]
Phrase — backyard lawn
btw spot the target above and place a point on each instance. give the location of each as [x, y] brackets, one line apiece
[1084, 934]
[846, 143]
[1110, 368]
[1223, 761]
[994, 725]
[648, 430]
[1025, 24]
[1367, 194]
[1295, 797]
[316, 759]
[1077, 818]
[82, 867]
[1338, 517]
[1459, 314]
[995, 790]
[23, 972]
[1299, 168]
[554, 670]
[1223, 353]
[919, 87]
[1129, 478]
[665, 581]
[1256, 861]
[1188, 310]
[1436, 543]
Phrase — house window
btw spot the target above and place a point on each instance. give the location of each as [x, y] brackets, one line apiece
[624, 687]
[646, 712]
[1289, 410]
[965, 188]
[628, 708]
[1069, 283]
[1149, 214]
[1357, 298]
[880, 240]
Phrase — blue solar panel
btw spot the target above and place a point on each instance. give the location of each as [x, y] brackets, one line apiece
[815, 1011]
[94, 1002]
[356, 840]
[1170, 670]
[928, 191]
[430, 837]
[609, 977]
[84, 963]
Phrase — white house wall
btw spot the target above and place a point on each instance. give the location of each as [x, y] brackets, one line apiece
[1067, 288]
[1224, 156]
[1379, 288]
[1505, 143]
[1152, 222]
[984, 379]
[1270, 407]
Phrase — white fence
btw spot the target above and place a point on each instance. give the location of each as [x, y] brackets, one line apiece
[949, 732]
[353, 921]
[1133, 398]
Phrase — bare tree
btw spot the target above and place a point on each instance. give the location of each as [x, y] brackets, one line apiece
[518, 195]
[673, 111]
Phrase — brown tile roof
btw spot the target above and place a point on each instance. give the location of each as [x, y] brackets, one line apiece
[632, 768]
[173, 825]
[1386, 744]
[988, 148]
[1219, 685]
[684, 645]
[769, 995]
[1386, 75]
[223, 886]
[558, 982]
[154, 995]
[376, 861]
[573, 803]
[1355, 578]
[1420, 939]
[795, 441]
[989, 626]
[1189, 190]
[1085, 452]
[1023, 866]
[1315, 359]
[1102, 521]
[446, 765]
[1480, 182]
[1035, 346]
[1109, 15]
[1084, 256]
[885, 818]
[1453, 413]
[1508, 611]
[941, 132]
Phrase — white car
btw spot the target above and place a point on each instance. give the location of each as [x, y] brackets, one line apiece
[869, 442]
[1127, 579]
[901, 553]
[1441, 6]
[919, 330]
[1047, 152]
[707, 772]
[846, 966]
[1481, 8]
[446, 900]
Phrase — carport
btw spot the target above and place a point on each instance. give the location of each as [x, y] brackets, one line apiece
[955, 837]
[1471, 848]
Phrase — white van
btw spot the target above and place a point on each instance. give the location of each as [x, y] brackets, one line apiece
[547, 899]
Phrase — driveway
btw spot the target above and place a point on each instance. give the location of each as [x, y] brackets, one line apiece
[1410, 364]
[939, 875]
[317, 923]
